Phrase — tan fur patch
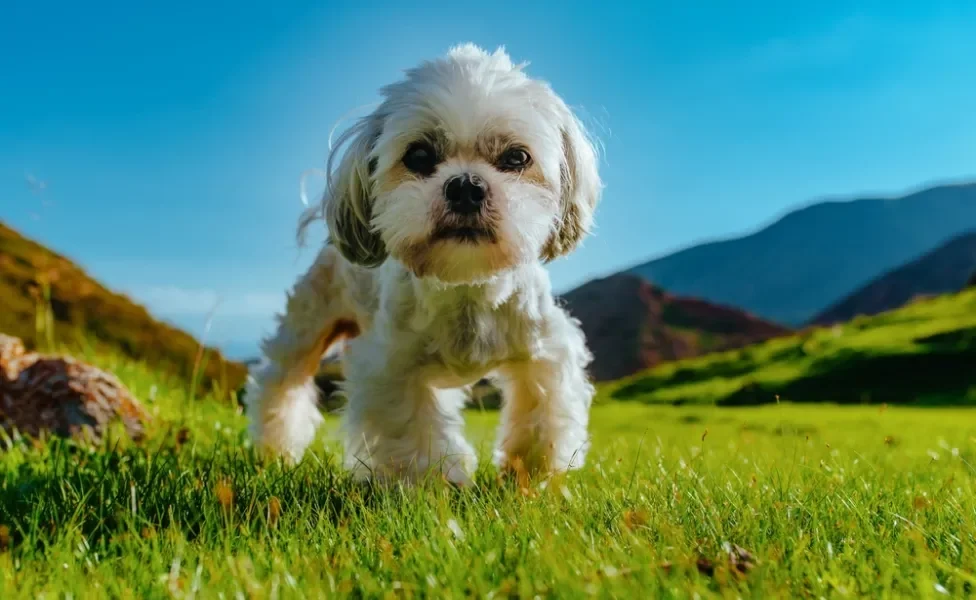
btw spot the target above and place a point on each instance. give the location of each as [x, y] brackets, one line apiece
[417, 259]
[491, 145]
[567, 234]
[424, 259]
[394, 177]
[534, 174]
[570, 229]
[342, 330]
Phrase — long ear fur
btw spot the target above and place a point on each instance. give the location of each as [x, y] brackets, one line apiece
[580, 189]
[347, 202]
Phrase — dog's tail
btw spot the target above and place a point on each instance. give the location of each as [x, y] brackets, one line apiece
[281, 396]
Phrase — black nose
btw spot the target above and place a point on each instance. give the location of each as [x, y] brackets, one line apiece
[465, 193]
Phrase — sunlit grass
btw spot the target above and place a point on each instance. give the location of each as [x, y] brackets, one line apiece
[830, 501]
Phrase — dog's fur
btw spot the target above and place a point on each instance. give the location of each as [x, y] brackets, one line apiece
[426, 311]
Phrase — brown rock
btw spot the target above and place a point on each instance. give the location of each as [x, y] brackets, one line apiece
[62, 396]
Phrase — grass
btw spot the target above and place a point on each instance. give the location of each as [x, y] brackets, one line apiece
[923, 353]
[830, 501]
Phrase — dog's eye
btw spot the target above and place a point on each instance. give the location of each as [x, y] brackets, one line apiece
[514, 159]
[421, 158]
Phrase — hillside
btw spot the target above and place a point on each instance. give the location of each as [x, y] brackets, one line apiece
[631, 325]
[922, 353]
[793, 269]
[940, 271]
[83, 311]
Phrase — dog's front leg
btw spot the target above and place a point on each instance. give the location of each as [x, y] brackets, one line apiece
[398, 427]
[282, 398]
[546, 404]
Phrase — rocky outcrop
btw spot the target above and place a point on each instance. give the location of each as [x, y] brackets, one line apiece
[631, 325]
[42, 394]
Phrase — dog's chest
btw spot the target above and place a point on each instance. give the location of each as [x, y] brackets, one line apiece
[469, 338]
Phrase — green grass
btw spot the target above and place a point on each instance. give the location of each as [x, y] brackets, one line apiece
[924, 353]
[831, 501]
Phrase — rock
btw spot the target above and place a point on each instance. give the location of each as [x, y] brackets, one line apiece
[62, 396]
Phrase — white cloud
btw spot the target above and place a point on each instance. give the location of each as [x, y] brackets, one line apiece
[174, 300]
[36, 185]
[177, 301]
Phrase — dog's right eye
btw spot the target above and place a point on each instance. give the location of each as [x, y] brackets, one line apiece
[421, 158]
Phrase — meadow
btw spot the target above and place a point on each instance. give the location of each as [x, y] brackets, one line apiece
[782, 500]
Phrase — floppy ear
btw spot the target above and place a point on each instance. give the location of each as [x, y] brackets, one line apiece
[579, 190]
[347, 203]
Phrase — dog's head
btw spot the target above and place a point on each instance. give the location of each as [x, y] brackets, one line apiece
[467, 168]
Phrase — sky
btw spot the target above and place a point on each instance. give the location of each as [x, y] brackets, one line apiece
[162, 145]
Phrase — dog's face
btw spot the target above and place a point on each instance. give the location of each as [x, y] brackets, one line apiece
[468, 168]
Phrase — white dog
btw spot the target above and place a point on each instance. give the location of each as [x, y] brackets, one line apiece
[452, 195]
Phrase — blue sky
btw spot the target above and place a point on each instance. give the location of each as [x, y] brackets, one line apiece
[162, 147]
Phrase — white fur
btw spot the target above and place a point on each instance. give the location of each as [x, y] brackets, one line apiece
[435, 315]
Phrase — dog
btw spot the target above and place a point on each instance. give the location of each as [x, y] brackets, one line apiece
[450, 199]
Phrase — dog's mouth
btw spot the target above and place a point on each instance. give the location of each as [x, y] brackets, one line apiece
[470, 234]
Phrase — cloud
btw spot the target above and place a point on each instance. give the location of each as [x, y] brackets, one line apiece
[174, 300]
[37, 186]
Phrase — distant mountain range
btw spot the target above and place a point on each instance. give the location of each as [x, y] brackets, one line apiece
[792, 270]
[943, 270]
[631, 325]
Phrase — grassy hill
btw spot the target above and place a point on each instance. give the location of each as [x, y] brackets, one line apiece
[922, 353]
[47, 300]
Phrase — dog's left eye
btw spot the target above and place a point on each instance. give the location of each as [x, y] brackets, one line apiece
[513, 159]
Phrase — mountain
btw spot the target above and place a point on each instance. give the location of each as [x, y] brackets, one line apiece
[793, 269]
[922, 353]
[42, 293]
[943, 270]
[631, 325]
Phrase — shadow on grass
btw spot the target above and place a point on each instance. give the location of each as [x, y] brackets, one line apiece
[223, 497]
[960, 340]
[855, 377]
[651, 383]
[745, 362]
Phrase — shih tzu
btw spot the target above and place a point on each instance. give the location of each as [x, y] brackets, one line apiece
[449, 200]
